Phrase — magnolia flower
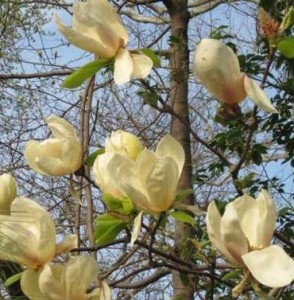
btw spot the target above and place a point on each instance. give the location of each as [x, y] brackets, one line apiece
[151, 180]
[120, 142]
[97, 28]
[57, 156]
[243, 236]
[28, 234]
[124, 143]
[7, 193]
[217, 67]
[68, 281]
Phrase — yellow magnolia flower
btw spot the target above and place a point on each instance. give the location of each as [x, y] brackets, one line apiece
[7, 193]
[58, 156]
[97, 28]
[68, 281]
[151, 180]
[28, 235]
[243, 236]
[216, 66]
[120, 142]
[124, 143]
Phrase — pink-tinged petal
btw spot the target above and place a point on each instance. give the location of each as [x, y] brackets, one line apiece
[82, 41]
[258, 96]
[123, 66]
[213, 223]
[136, 228]
[142, 65]
[270, 266]
[216, 66]
[169, 146]
[232, 234]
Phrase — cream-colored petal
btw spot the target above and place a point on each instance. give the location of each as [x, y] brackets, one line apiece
[79, 272]
[232, 235]
[258, 96]
[99, 12]
[267, 218]
[49, 282]
[216, 66]
[270, 266]
[123, 143]
[136, 228]
[101, 293]
[124, 173]
[7, 193]
[55, 157]
[169, 146]
[248, 215]
[27, 235]
[104, 177]
[30, 285]
[60, 128]
[123, 66]
[82, 41]
[68, 243]
[161, 184]
[31, 151]
[213, 223]
[142, 65]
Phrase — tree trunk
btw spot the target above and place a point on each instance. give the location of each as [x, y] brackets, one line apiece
[179, 59]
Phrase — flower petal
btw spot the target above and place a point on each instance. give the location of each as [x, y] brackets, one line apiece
[213, 223]
[7, 193]
[50, 282]
[232, 235]
[142, 65]
[136, 228]
[217, 67]
[79, 272]
[60, 128]
[27, 235]
[123, 66]
[82, 41]
[258, 96]
[169, 146]
[270, 266]
[99, 13]
[68, 243]
[104, 177]
[161, 184]
[30, 285]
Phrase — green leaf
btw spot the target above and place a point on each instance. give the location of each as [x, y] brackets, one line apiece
[91, 158]
[76, 78]
[107, 229]
[12, 279]
[232, 274]
[155, 58]
[149, 97]
[286, 46]
[182, 217]
[122, 205]
[184, 194]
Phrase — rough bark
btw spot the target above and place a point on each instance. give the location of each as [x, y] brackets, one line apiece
[179, 59]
